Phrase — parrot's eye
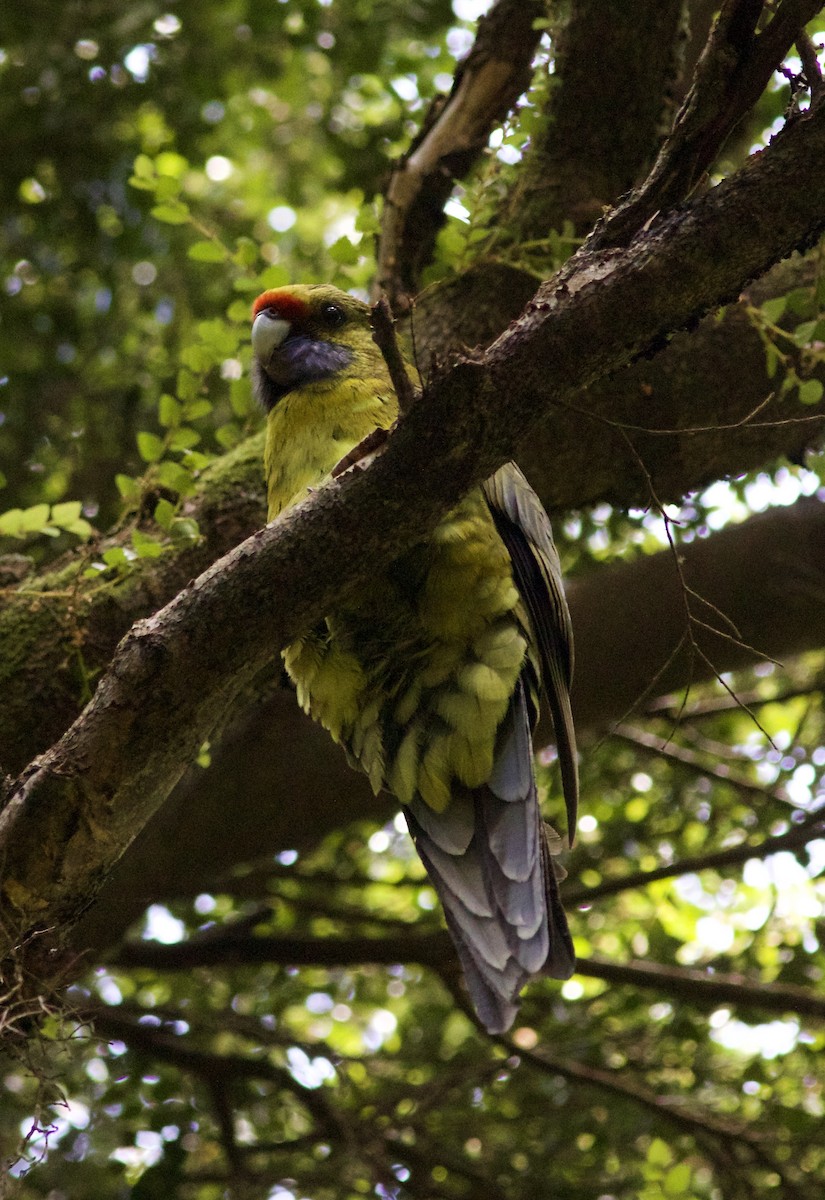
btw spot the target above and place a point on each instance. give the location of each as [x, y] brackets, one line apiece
[333, 315]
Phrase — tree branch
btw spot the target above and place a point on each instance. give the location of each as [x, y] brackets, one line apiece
[455, 131]
[59, 626]
[707, 990]
[581, 158]
[799, 835]
[627, 619]
[73, 812]
[228, 948]
[690, 1120]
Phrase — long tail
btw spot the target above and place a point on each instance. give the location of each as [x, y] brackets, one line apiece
[490, 859]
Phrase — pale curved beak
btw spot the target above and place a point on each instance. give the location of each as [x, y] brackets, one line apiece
[268, 333]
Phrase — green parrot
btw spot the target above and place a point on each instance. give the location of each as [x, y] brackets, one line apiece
[430, 677]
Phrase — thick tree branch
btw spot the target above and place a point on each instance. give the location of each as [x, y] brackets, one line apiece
[794, 839]
[74, 811]
[581, 158]
[768, 575]
[706, 990]
[455, 131]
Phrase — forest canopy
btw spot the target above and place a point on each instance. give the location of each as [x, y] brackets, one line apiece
[600, 229]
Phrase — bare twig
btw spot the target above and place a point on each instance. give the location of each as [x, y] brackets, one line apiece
[654, 743]
[383, 334]
[810, 65]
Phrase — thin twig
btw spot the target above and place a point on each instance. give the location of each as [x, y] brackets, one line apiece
[812, 827]
[383, 334]
[707, 990]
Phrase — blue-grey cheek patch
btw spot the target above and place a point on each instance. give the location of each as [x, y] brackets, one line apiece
[311, 360]
[296, 361]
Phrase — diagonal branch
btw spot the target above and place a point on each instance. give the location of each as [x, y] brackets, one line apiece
[455, 131]
[74, 811]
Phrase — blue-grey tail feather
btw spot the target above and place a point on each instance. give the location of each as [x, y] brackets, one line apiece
[498, 886]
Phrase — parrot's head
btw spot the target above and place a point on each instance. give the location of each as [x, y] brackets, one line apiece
[309, 334]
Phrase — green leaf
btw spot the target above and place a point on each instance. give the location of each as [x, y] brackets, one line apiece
[773, 358]
[167, 191]
[810, 392]
[773, 309]
[63, 514]
[246, 252]
[185, 531]
[175, 477]
[194, 460]
[198, 358]
[164, 514]
[367, 220]
[128, 487]
[35, 519]
[228, 435]
[197, 408]
[273, 277]
[187, 385]
[208, 252]
[184, 438]
[11, 523]
[144, 167]
[246, 284]
[659, 1153]
[677, 1180]
[170, 163]
[240, 397]
[804, 332]
[171, 214]
[344, 252]
[169, 411]
[219, 336]
[115, 556]
[145, 546]
[238, 312]
[80, 528]
[150, 447]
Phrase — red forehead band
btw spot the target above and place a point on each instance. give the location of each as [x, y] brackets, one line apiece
[285, 303]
